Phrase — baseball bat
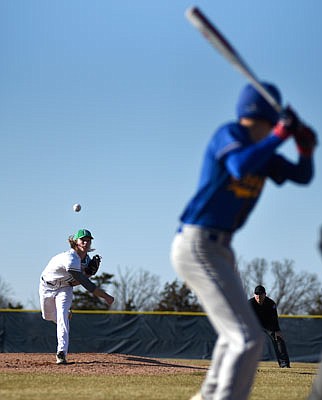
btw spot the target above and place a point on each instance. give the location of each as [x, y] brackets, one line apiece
[220, 43]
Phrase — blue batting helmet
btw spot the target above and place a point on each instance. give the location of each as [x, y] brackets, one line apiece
[252, 104]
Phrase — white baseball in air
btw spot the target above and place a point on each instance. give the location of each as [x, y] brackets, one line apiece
[77, 207]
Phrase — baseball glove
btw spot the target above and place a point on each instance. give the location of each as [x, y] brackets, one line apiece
[93, 265]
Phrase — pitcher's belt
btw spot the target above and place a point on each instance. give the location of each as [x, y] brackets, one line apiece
[57, 283]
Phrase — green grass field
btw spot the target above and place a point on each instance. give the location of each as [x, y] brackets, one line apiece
[271, 383]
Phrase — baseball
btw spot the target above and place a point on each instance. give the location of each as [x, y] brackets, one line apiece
[77, 207]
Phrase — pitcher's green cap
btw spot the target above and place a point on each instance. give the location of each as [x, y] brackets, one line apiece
[82, 233]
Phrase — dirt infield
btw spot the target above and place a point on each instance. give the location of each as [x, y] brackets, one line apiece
[96, 363]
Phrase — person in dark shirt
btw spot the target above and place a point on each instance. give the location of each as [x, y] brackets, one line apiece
[266, 311]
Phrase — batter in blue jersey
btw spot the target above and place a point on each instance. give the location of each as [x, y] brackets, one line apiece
[239, 158]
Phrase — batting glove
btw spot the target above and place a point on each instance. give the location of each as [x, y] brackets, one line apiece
[306, 140]
[288, 124]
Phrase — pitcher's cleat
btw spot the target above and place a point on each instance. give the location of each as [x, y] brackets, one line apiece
[61, 358]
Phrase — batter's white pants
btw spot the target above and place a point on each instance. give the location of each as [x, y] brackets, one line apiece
[208, 268]
[316, 392]
[55, 305]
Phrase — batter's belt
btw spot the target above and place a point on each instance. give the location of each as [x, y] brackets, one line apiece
[215, 235]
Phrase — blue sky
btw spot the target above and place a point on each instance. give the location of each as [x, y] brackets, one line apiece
[111, 104]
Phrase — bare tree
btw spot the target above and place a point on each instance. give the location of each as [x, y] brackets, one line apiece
[136, 290]
[6, 300]
[294, 293]
[253, 273]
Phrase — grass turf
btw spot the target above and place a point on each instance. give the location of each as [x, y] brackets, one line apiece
[271, 383]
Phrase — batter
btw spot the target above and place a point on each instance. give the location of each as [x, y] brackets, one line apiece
[238, 159]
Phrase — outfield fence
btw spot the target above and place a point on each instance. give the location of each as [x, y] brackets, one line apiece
[149, 334]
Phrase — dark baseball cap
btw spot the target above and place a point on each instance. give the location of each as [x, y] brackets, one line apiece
[82, 233]
[260, 290]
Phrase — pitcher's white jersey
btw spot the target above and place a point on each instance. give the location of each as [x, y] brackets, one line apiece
[59, 266]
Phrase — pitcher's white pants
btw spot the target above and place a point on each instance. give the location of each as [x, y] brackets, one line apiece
[208, 268]
[55, 305]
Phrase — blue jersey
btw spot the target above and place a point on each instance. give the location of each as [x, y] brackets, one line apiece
[233, 175]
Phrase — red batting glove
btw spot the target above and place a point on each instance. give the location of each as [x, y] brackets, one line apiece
[306, 140]
[287, 124]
